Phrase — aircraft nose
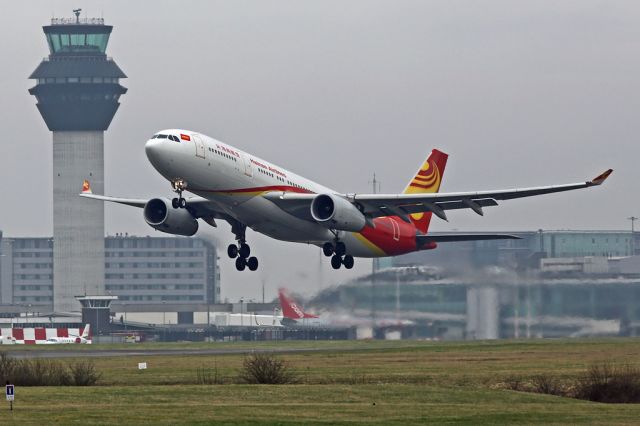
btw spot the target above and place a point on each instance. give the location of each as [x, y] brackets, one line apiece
[153, 149]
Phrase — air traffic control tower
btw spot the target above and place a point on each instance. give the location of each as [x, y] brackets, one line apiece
[77, 92]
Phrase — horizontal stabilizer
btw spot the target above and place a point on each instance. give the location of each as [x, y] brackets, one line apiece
[447, 238]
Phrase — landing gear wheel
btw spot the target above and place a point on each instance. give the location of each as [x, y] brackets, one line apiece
[179, 185]
[252, 263]
[241, 263]
[245, 250]
[232, 251]
[348, 261]
[327, 249]
[341, 249]
[336, 261]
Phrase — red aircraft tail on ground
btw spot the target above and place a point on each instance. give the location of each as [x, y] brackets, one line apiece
[290, 308]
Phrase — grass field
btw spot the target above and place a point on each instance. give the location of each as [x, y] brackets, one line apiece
[346, 382]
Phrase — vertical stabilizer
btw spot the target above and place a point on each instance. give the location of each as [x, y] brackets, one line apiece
[290, 308]
[427, 180]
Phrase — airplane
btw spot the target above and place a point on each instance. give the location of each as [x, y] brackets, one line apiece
[82, 339]
[294, 315]
[249, 192]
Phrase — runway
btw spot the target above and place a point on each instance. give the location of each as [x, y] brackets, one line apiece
[104, 353]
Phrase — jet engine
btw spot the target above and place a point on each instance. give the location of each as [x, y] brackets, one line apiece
[335, 212]
[160, 214]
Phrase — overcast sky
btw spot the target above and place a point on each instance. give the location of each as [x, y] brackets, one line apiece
[518, 93]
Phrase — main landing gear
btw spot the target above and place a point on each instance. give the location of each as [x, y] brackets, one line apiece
[338, 255]
[178, 186]
[241, 252]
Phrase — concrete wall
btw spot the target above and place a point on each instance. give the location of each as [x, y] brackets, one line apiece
[78, 224]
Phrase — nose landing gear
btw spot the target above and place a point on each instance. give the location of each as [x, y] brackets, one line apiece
[179, 185]
[338, 255]
[241, 252]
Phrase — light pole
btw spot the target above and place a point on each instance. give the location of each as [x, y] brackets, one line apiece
[397, 295]
[164, 322]
[631, 240]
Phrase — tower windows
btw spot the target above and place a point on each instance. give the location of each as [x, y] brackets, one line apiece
[85, 80]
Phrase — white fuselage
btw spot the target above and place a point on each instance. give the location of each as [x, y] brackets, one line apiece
[65, 340]
[232, 179]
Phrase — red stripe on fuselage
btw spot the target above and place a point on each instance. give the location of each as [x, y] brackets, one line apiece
[392, 242]
[283, 188]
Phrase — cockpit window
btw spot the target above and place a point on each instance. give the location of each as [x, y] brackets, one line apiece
[162, 136]
[174, 138]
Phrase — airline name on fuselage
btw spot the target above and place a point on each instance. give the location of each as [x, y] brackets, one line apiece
[228, 150]
[269, 168]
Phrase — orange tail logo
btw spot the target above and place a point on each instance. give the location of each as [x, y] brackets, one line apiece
[86, 187]
[427, 180]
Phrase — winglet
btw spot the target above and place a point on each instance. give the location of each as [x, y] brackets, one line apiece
[598, 180]
[86, 187]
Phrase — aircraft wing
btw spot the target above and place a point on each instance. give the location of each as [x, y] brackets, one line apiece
[402, 205]
[198, 206]
[449, 238]
[134, 202]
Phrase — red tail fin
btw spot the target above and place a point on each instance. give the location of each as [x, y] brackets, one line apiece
[427, 180]
[290, 308]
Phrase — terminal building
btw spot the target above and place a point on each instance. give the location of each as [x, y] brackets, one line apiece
[547, 284]
[526, 252]
[138, 270]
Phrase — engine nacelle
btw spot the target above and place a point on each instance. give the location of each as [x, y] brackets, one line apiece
[160, 214]
[335, 212]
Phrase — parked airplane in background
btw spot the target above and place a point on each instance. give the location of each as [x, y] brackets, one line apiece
[290, 308]
[247, 191]
[82, 339]
[293, 314]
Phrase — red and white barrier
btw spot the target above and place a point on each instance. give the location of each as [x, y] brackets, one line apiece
[38, 335]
